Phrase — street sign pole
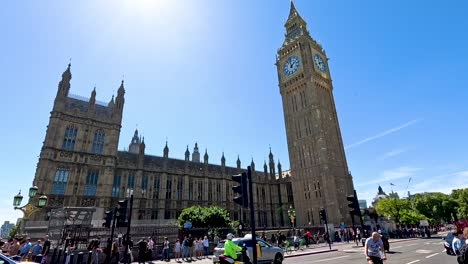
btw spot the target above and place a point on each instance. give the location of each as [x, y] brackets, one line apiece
[252, 215]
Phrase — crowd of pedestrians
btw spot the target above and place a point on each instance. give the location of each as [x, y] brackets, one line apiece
[25, 250]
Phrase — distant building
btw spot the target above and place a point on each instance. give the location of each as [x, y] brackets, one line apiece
[5, 229]
[362, 204]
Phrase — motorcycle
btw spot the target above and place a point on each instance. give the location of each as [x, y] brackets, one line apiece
[242, 258]
[448, 249]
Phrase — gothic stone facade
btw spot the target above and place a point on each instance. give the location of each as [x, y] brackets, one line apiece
[316, 153]
[80, 165]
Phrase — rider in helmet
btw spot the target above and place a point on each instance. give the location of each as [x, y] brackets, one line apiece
[230, 248]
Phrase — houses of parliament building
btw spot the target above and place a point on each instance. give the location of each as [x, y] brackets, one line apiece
[80, 164]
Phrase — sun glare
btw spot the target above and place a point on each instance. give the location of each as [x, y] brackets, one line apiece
[142, 7]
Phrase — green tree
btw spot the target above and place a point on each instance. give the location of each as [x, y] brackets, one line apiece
[393, 207]
[437, 206]
[213, 216]
[13, 231]
[460, 196]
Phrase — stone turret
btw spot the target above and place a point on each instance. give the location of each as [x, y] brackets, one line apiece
[187, 154]
[134, 146]
[205, 157]
[196, 154]
[166, 151]
[223, 161]
[238, 163]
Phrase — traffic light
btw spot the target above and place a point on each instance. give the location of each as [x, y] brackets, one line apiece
[107, 219]
[353, 205]
[122, 213]
[323, 215]
[240, 196]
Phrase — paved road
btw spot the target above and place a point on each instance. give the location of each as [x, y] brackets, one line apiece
[420, 251]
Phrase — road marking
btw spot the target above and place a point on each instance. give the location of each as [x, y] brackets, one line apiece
[397, 247]
[430, 256]
[322, 260]
[424, 251]
[413, 261]
[411, 245]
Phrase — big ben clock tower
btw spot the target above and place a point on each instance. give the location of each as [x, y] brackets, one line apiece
[320, 176]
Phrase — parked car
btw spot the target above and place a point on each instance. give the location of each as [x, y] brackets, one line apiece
[6, 260]
[269, 253]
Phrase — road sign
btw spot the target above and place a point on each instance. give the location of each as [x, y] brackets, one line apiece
[188, 225]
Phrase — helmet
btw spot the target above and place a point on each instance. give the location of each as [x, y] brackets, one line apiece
[230, 236]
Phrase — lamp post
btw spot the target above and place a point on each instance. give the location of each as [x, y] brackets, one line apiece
[292, 215]
[34, 204]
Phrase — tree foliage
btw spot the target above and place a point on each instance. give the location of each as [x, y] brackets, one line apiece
[434, 207]
[13, 231]
[437, 206]
[393, 207]
[460, 196]
[213, 216]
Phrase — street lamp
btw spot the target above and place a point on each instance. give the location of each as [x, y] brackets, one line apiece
[34, 204]
[292, 215]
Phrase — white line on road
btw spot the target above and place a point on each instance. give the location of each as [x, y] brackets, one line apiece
[430, 256]
[322, 260]
[413, 261]
[396, 247]
[411, 245]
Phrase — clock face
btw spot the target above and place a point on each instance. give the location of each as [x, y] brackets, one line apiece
[319, 62]
[291, 65]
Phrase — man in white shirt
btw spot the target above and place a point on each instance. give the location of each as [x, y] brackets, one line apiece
[372, 249]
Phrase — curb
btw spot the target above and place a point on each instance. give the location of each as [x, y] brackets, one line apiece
[310, 253]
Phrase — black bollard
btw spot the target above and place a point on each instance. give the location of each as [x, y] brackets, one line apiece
[59, 256]
[90, 254]
[80, 258]
[72, 258]
[54, 255]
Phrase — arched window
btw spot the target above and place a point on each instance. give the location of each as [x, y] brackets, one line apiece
[91, 183]
[116, 186]
[60, 181]
[98, 142]
[69, 138]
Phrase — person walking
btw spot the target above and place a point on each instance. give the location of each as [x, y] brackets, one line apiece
[142, 251]
[177, 251]
[149, 256]
[14, 248]
[206, 246]
[190, 246]
[185, 248]
[45, 250]
[36, 250]
[25, 250]
[166, 249]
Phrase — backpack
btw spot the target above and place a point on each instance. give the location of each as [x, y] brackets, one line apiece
[463, 257]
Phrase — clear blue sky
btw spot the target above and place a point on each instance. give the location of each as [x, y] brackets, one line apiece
[204, 71]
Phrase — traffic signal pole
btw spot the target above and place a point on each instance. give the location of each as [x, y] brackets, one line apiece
[326, 227]
[252, 215]
[111, 240]
[127, 237]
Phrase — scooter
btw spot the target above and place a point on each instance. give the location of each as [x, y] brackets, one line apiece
[242, 258]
